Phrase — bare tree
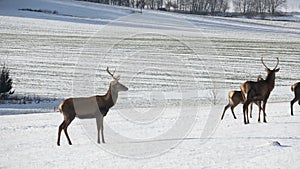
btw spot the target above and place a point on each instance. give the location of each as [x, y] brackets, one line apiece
[214, 96]
[275, 4]
[209, 6]
[240, 5]
[258, 6]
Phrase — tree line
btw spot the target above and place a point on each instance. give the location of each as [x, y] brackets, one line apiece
[245, 7]
[258, 6]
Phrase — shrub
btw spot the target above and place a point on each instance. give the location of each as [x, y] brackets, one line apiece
[5, 82]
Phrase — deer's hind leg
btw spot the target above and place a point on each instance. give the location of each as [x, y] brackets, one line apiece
[60, 128]
[245, 112]
[292, 103]
[225, 108]
[68, 122]
[232, 108]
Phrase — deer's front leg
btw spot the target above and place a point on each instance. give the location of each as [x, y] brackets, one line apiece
[264, 111]
[99, 121]
[102, 135]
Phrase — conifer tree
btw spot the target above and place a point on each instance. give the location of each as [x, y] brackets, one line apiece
[5, 82]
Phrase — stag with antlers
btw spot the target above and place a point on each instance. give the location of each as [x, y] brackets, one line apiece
[90, 107]
[259, 91]
[296, 89]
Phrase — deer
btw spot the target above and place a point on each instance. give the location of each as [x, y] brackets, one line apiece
[259, 91]
[296, 89]
[90, 107]
[235, 98]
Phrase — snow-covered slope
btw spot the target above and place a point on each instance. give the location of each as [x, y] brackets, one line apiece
[174, 65]
[66, 10]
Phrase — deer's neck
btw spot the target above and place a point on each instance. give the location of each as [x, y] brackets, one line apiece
[111, 97]
[271, 81]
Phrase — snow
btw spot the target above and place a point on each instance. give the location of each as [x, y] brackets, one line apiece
[32, 144]
[173, 65]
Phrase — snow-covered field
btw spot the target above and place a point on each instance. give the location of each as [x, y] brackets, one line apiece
[173, 65]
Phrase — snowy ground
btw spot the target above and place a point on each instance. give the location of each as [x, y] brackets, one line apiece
[171, 64]
[29, 141]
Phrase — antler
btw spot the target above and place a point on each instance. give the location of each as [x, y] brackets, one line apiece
[267, 66]
[112, 74]
[262, 61]
[277, 63]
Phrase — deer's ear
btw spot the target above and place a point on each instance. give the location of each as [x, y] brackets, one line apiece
[277, 70]
[267, 70]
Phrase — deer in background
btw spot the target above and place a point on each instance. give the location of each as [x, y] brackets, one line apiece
[259, 91]
[236, 97]
[296, 89]
[90, 107]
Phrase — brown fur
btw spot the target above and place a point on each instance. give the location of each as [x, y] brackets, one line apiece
[296, 89]
[258, 91]
[235, 98]
[89, 107]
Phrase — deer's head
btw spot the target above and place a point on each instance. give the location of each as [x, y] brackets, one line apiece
[271, 72]
[115, 85]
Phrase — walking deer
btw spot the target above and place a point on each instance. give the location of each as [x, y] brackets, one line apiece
[296, 89]
[259, 91]
[90, 107]
[235, 98]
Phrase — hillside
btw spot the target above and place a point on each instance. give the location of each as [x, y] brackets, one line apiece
[175, 66]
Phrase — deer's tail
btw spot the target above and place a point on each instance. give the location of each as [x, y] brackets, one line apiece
[245, 90]
[60, 107]
[293, 88]
[230, 96]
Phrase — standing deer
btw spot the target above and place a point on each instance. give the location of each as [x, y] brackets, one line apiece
[235, 98]
[90, 107]
[296, 89]
[258, 91]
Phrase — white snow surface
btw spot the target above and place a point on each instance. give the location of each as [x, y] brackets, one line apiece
[173, 65]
